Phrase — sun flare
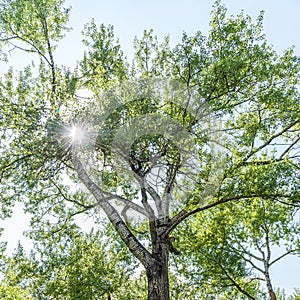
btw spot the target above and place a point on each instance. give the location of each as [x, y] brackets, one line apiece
[76, 134]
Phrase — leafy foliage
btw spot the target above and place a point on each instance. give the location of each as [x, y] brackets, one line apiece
[204, 134]
[77, 266]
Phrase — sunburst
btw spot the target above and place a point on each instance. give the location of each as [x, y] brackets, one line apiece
[76, 134]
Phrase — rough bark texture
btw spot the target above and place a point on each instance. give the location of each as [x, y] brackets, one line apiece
[155, 263]
[157, 274]
[138, 250]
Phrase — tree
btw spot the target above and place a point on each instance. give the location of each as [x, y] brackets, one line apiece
[234, 251]
[182, 131]
[75, 265]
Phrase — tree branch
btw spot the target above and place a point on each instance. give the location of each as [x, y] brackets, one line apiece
[235, 283]
[283, 255]
[183, 214]
[127, 202]
[52, 64]
[138, 250]
[270, 140]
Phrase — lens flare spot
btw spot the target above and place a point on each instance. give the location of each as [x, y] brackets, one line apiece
[76, 134]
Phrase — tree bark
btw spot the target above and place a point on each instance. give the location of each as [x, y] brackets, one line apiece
[137, 249]
[155, 263]
[272, 295]
[267, 258]
[158, 275]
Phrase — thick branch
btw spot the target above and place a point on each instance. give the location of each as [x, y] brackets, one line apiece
[138, 250]
[146, 205]
[152, 219]
[184, 214]
[127, 203]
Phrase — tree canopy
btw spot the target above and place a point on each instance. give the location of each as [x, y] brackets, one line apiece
[192, 150]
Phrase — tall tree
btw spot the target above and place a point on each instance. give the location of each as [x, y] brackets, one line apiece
[183, 130]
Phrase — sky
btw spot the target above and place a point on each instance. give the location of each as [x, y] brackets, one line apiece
[166, 17]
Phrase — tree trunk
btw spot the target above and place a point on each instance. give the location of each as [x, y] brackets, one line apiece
[156, 263]
[158, 280]
[158, 273]
[272, 295]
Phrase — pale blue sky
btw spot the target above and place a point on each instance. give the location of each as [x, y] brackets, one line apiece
[131, 17]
